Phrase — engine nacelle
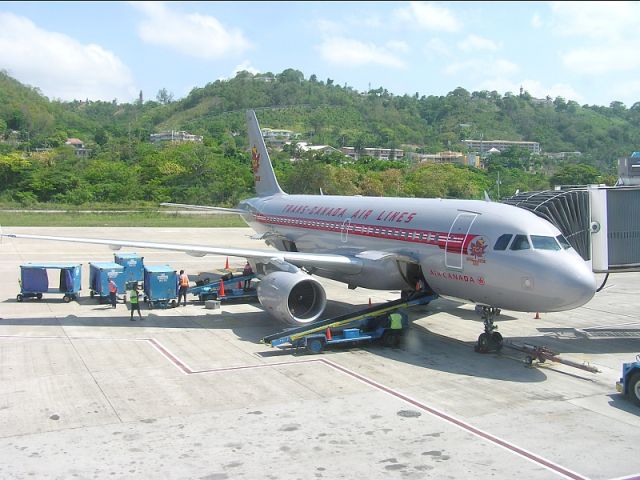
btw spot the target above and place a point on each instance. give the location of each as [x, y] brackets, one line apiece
[296, 298]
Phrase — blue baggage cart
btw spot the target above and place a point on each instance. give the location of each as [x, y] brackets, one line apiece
[99, 275]
[160, 286]
[133, 266]
[34, 280]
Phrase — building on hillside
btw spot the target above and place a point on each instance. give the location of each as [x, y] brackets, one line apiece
[562, 155]
[306, 147]
[277, 137]
[483, 146]
[78, 147]
[175, 137]
[375, 152]
[458, 158]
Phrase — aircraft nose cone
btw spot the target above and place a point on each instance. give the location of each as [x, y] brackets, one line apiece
[578, 286]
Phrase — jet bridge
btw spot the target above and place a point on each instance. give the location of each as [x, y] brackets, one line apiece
[601, 223]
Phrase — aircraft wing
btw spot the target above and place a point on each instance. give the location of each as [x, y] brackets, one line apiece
[203, 207]
[342, 263]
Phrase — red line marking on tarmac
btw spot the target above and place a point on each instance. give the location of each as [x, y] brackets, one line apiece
[459, 423]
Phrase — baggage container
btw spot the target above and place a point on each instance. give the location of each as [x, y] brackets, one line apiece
[34, 280]
[160, 286]
[133, 266]
[99, 275]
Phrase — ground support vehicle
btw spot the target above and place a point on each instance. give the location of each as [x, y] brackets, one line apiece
[99, 275]
[34, 280]
[160, 286]
[211, 291]
[629, 384]
[355, 327]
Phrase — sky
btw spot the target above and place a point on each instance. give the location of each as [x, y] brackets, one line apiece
[582, 51]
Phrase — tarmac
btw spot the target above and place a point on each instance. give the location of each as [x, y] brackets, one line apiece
[191, 393]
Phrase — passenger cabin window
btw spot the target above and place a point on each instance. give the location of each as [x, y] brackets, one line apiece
[540, 242]
[502, 242]
[564, 243]
[520, 242]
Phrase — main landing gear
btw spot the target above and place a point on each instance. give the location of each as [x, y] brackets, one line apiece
[490, 340]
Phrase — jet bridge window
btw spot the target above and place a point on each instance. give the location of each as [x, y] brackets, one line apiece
[564, 243]
[540, 242]
[502, 242]
[520, 242]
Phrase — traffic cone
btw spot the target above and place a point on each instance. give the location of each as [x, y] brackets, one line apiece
[369, 301]
[328, 334]
[226, 265]
[221, 289]
[239, 284]
[537, 317]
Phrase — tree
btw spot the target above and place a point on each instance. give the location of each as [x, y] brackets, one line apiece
[578, 174]
[164, 97]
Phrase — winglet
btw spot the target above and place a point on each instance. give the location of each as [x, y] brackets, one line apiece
[263, 174]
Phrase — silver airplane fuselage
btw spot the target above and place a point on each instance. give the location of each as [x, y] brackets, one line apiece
[454, 242]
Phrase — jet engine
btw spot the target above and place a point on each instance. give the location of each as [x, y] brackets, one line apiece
[297, 298]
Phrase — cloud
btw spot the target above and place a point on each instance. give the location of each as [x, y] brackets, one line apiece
[494, 67]
[436, 46]
[474, 43]
[349, 52]
[398, 46]
[195, 35]
[59, 65]
[536, 21]
[429, 16]
[245, 66]
[605, 36]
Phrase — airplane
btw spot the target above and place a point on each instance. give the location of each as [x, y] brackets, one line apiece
[495, 255]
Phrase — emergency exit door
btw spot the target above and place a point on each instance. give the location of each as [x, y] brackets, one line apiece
[457, 239]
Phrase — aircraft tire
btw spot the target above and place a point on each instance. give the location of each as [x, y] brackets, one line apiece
[496, 340]
[634, 388]
[483, 343]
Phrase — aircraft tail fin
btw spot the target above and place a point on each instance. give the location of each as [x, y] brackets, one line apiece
[263, 174]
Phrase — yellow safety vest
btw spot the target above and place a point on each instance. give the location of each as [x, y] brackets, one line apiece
[396, 321]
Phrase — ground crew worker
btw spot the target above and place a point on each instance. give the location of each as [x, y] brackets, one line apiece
[134, 300]
[245, 273]
[183, 282]
[113, 290]
[395, 329]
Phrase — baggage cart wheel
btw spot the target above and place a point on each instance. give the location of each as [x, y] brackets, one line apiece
[19, 297]
[66, 299]
[92, 294]
[634, 388]
[315, 345]
[173, 304]
[39, 296]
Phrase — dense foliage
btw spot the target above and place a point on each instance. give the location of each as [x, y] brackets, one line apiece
[123, 166]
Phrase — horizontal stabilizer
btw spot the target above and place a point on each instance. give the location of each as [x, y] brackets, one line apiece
[203, 208]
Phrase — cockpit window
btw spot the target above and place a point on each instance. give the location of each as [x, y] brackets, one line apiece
[564, 243]
[502, 242]
[540, 242]
[520, 242]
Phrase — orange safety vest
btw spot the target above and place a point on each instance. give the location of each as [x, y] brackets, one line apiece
[113, 288]
[184, 280]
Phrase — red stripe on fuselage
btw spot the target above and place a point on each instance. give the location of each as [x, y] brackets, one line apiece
[411, 235]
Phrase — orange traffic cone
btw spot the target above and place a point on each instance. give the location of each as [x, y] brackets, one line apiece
[226, 265]
[221, 289]
[239, 284]
[537, 317]
[328, 334]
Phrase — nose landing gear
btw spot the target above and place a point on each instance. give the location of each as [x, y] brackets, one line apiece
[490, 340]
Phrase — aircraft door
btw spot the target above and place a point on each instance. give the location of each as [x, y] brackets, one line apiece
[453, 249]
[344, 230]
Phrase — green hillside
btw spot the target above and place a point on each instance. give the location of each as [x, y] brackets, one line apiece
[122, 166]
